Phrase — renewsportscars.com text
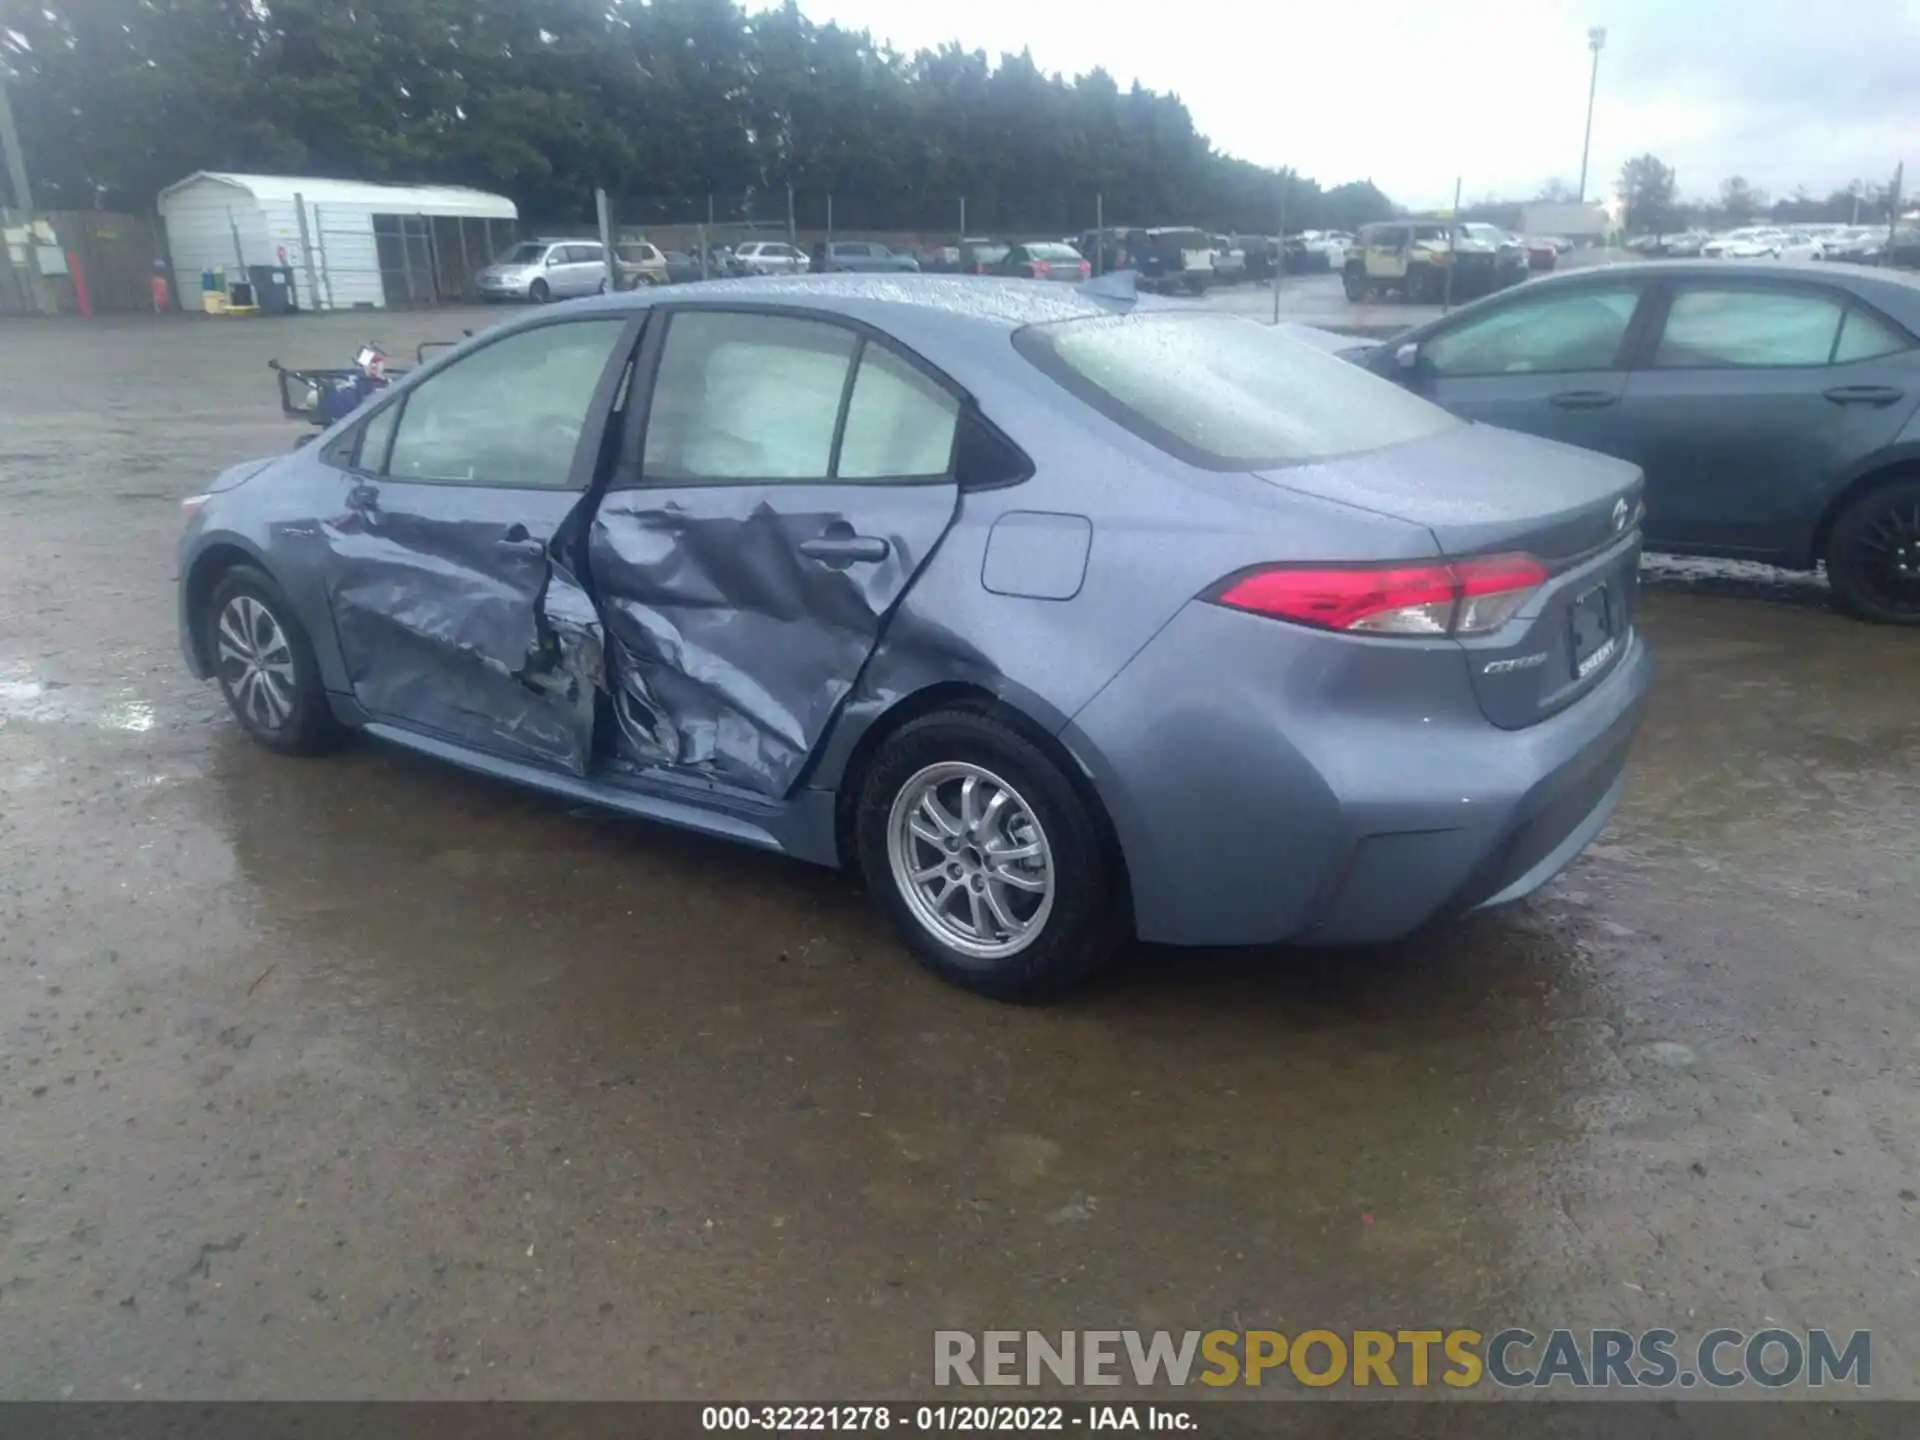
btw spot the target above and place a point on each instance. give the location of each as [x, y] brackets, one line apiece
[1460, 1359]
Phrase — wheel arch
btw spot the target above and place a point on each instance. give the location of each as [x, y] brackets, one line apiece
[1883, 469]
[211, 564]
[967, 695]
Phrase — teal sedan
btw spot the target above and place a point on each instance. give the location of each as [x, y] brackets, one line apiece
[1774, 407]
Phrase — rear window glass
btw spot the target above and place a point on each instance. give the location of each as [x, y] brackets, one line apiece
[1225, 393]
[1053, 252]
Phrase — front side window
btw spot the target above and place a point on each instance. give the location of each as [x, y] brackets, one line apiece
[1225, 393]
[1748, 326]
[1581, 330]
[509, 414]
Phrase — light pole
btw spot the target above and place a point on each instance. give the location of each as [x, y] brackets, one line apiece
[1596, 37]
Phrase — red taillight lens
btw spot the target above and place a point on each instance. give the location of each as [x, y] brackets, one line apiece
[1042, 270]
[1085, 269]
[1465, 597]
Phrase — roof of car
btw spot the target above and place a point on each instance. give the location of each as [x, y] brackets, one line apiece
[1832, 271]
[1006, 304]
[1895, 292]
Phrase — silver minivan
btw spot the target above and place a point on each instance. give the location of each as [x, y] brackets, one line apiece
[543, 270]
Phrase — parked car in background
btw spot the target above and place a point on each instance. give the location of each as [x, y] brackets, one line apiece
[640, 263]
[940, 259]
[979, 256]
[1412, 258]
[1542, 255]
[543, 270]
[1168, 258]
[769, 257]
[1751, 243]
[1229, 260]
[1053, 623]
[1774, 406]
[682, 268]
[1044, 260]
[868, 256]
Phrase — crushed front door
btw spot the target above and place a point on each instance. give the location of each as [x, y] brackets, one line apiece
[453, 584]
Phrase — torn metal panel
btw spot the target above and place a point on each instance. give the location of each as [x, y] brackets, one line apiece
[731, 645]
[465, 626]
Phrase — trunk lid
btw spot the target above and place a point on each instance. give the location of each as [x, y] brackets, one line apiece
[1481, 491]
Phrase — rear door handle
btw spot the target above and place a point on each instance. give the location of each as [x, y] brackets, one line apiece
[1584, 399]
[841, 550]
[1875, 395]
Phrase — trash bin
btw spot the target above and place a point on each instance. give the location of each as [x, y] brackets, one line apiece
[272, 288]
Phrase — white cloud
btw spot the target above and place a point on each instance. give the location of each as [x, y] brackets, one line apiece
[1412, 95]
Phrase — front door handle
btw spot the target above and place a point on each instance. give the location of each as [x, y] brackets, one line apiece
[520, 541]
[841, 550]
[1584, 399]
[1875, 395]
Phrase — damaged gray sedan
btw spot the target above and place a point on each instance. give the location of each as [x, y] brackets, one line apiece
[1054, 618]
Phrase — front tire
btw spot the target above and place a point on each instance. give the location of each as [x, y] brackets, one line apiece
[264, 662]
[539, 292]
[1355, 286]
[1873, 555]
[986, 858]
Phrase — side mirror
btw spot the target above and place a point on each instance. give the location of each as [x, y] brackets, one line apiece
[1407, 357]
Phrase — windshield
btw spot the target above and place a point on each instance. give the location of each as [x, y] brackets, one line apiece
[1225, 393]
[1484, 233]
[528, 254]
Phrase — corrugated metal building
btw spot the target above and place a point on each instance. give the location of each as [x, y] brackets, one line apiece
[349, 245]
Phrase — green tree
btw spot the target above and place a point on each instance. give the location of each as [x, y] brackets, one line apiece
[1647, 189]
[665, 103]
[1739, 201]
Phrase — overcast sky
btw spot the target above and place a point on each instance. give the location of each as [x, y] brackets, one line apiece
[1411, 93]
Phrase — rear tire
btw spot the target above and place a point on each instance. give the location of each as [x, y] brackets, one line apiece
[986, 858]
[1873, 554]
[260, 654]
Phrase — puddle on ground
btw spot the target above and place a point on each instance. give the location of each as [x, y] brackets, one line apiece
[49, 702]
[1741, 579]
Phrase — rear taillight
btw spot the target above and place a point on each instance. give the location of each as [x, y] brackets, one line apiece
[1465, 597]
[1042, 270]
[1085, 269]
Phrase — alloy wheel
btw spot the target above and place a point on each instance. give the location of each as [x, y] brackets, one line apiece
[1886, 558]
[255, 663]
[971, 860]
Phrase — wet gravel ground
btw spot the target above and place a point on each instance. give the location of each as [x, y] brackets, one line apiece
[366, 1077]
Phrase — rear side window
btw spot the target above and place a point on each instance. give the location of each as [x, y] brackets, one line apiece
[746, 397]
[1752, 327]
[1225, 393]
[757, 398]
[899, 423]
[1865, 336]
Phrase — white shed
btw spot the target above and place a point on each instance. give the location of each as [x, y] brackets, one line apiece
[349, 245]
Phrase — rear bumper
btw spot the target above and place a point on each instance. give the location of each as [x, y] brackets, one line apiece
[1301, 786]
